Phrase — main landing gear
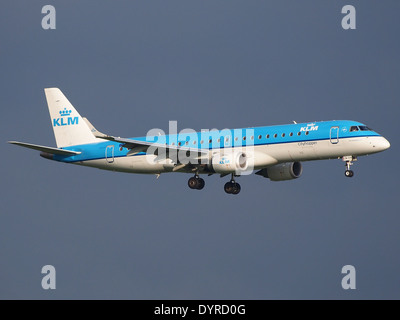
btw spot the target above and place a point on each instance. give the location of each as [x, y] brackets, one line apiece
[349, 162]
[196, 183]
[232, 186]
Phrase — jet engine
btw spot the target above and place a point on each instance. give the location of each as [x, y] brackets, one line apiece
[282, 171]
[234, 162]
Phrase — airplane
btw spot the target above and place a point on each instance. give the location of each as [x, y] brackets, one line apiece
[275, 152]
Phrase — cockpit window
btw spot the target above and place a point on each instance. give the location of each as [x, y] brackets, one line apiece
[364, 128]
[353, 128]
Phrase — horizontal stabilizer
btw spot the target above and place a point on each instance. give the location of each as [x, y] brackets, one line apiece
[45, 149]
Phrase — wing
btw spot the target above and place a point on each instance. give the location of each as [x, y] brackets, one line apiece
[137, 146]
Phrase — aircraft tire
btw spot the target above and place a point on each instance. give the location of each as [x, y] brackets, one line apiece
[193, 183]
[200, 183]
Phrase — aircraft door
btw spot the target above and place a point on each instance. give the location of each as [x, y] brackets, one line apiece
[110, 154]
[334, 135]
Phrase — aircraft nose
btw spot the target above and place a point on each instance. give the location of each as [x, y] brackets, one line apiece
[383, 144]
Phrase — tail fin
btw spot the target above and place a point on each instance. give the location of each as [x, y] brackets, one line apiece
[68, 125]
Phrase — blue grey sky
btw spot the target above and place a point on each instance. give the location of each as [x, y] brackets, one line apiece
[130, 66]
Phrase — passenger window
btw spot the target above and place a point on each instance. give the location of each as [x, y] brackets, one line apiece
[244, 138]
[283, 135]
[298, 133]
[353, 128]
[291, 134]
[307, 132]
[259, 137]
[252, 137]
[179, 143]
[236, 138]
[194, 142]
[187, 142]
[201, 142]
[267, 136]
[209, 141]
[219, 140]
[275, 135]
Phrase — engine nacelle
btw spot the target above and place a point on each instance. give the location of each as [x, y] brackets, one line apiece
[283, 171]
[234, 162]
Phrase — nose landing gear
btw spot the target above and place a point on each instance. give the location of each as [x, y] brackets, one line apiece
[349, 162]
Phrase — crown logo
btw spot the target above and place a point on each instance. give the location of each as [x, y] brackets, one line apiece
[65, 112]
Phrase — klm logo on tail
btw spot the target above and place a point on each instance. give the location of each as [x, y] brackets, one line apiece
[65, 119]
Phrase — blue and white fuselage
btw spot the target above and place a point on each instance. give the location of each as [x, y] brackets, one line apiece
[275, 151]
[283, 143]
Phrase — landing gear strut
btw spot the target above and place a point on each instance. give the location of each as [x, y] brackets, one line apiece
[232, 186]
[349, 162]
[196, 183]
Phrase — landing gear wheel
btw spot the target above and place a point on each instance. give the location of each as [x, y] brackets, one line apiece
[236, 188]
[349, 173]
[201, 183]
[228, 187]
[232, 187]
[193, 183]
[196, 183]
